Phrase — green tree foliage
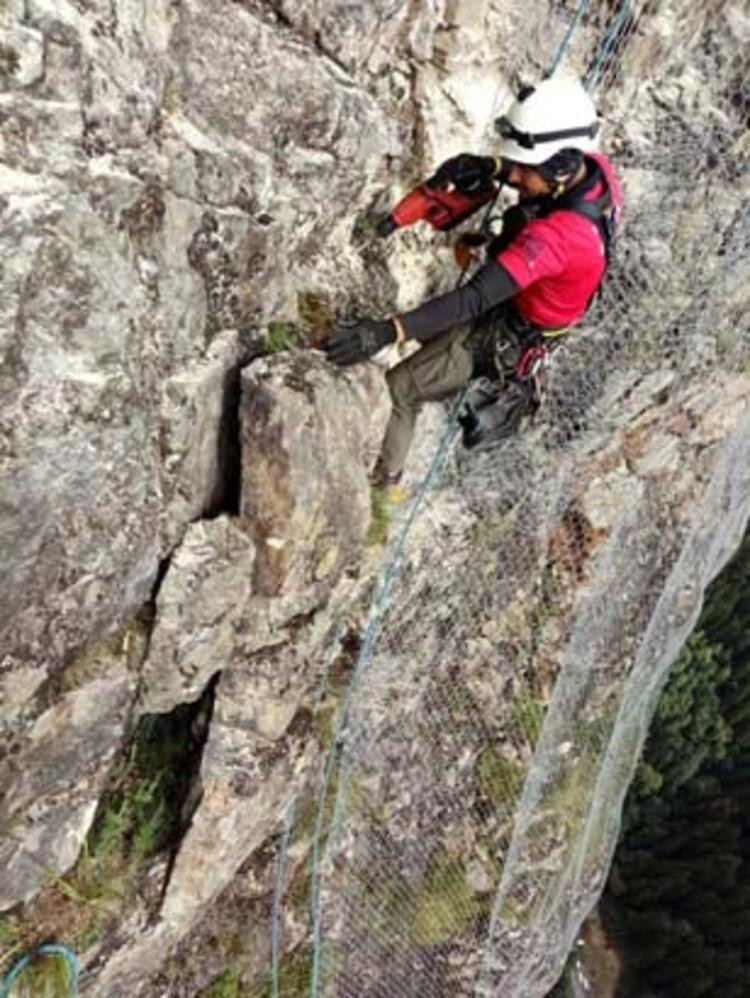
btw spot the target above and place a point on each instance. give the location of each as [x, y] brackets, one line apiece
[678, 899]
[689, 728]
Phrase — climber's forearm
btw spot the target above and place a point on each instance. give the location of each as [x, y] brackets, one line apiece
[490, 285]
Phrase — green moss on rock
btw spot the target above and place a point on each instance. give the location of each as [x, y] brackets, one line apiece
[445, 904]
[377, 532]
[527, 717]
[227, 985]
[294, 973]
[499, 779]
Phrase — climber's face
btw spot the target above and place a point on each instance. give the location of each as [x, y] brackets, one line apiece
[528, 181]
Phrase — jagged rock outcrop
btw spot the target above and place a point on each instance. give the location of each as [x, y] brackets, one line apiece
[161, 202]
[154, 216]
[255, 598]
[60, 766]
[236, 583]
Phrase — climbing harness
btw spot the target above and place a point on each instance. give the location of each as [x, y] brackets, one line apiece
[494, 410]
[605, 210]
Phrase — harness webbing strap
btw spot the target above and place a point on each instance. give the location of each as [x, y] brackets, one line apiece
[598, 210]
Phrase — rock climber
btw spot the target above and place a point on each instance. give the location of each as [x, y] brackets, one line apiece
[539, 274]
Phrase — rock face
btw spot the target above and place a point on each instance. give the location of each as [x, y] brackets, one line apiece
[53, 781]
[572, 602]
[235, 583]
[155, 214]
[304, 491]
[254, 598]
[176, 176]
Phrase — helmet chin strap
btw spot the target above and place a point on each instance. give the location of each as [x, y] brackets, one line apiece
[563, 184]
[561, 181]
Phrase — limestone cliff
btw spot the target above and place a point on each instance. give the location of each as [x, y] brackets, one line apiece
[184, 517]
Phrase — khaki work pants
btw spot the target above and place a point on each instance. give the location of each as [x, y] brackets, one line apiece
[435, 372]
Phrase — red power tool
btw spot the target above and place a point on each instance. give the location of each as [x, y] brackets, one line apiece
[443, 207]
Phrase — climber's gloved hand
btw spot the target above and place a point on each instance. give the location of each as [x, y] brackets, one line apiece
[385, 225]
[351, 343]
[467, 173]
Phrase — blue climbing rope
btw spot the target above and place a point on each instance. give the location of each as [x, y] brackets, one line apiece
[276, 915]
[46, 949]
[381, 596]
[607, 44]
[564, 45]
[377, 609]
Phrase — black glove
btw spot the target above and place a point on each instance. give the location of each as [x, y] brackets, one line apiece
[385, 225]
[467, 173]
[351, 344]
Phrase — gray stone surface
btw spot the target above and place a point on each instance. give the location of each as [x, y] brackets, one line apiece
[53, 775]
[235, 582]
[202, 600]
[305, 493]
[155, 213]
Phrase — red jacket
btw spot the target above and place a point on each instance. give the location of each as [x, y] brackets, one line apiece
[558, 261]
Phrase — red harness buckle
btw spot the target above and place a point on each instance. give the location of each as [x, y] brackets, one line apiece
[531, 362]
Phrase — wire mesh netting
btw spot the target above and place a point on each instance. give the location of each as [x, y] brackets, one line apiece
[501, 690]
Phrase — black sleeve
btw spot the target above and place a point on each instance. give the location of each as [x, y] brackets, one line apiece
[489, 286]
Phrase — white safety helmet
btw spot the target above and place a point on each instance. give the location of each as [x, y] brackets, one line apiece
[557, 114]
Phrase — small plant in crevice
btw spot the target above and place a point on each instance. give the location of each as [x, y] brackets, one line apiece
[317, 316]
[141, 816]
[281, 335]
[377, 533]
